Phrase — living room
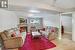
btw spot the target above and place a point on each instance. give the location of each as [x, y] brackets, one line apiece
[33, 17]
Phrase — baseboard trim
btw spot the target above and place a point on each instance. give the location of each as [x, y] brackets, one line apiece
[67, 32]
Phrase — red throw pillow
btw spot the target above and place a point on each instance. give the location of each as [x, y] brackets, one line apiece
[13, 34]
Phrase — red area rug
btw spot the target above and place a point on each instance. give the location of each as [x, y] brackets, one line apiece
[37, 44]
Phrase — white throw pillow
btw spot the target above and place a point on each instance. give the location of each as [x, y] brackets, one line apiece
[35, 33]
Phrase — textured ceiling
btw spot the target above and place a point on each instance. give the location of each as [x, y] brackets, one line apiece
[59, 5]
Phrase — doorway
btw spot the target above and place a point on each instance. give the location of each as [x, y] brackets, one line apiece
[66, 23]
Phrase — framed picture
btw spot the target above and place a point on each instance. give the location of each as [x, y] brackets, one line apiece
[34, 21]
[21, 20]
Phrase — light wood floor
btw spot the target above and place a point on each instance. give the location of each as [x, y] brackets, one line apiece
[65, 43]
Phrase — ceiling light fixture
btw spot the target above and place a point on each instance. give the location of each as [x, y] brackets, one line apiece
[34, 11]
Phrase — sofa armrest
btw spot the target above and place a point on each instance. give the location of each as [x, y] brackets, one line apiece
[51, 36]
[14, 42]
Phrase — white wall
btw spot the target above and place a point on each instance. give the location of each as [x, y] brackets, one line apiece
[8, 19]
[73, 26]
[67, 23]
[53, 20]
[48, 19]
